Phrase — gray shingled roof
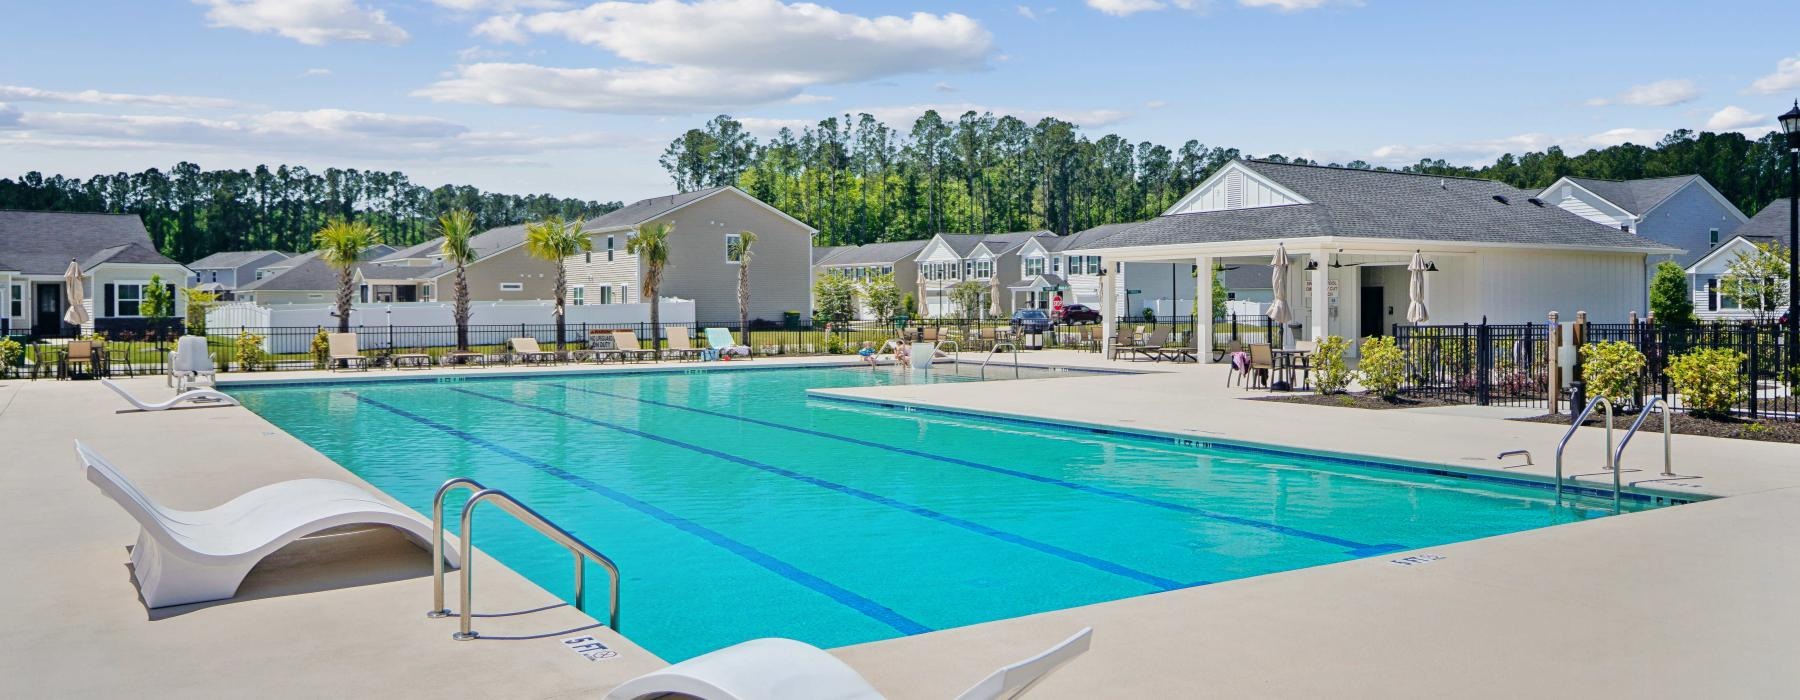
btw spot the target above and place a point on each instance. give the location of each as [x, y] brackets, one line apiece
[43, 242]
[1636, 196]
[1077, 240]
[964, 243]
[232, 259]
[886, 253]
[310, 273]
[1771, 222]
[821, 252]
[1384, 204]
[646, 209]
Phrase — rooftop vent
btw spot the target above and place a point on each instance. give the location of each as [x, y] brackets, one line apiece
[1501, 199]
[1536, 201]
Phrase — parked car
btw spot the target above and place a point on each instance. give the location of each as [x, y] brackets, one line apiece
[1031, 321]
[1080, 313]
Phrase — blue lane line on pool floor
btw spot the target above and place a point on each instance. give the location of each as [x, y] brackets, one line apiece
[868, 607]
[1097, 563]
[1355, 548]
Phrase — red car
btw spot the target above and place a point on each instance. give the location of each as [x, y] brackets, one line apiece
[1079, 313]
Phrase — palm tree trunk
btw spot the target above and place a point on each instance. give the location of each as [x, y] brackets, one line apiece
[744, 296]
[346, 280]
[655, 319]
[561, 282]
[462, 310]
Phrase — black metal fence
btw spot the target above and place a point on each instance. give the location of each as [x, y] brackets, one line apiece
[1508, 364]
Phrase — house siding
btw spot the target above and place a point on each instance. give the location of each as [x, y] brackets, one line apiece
[1684, 221]
[486, 275]
[1516, 287]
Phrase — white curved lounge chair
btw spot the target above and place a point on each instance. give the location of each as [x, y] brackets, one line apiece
[189, 361]
[196, 556]
[769, 669]
[204, 397]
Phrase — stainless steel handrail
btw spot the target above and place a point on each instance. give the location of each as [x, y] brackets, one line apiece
[1598, 400]
[956, 356]
[525, 514]
[1668, 455]
[996, 348]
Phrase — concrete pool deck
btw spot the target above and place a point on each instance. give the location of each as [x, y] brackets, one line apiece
[1672, 602]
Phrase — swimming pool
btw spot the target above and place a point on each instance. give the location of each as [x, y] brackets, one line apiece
[736, 507]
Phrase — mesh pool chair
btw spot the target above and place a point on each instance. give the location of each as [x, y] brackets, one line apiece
[526, 350]
[1262, 364]
[720, 339]
[783, 669]
[626, 344]
[680, 346]
[1152, 346]
[343, 349]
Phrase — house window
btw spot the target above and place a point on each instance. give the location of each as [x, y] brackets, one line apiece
[425, 293]
[606, 294]
[587, 257]
[1712, 237]
[984, 268]
[732, 254]
[128, 298]
[261, 273]
[968, 268]
[1056, 264]
[1034, 266]
[17, 300]
[512, 286]
[624, 293]
[579, 295]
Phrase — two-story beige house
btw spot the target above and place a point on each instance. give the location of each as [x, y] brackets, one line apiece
[702, 266]
[991, 259]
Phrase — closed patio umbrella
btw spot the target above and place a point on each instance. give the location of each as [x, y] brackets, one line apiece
[1415, 290]
[924, 303]
[994, 309]
[77, 315]
[1278, 269]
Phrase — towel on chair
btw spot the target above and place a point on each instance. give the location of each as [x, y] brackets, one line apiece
[1240, 361]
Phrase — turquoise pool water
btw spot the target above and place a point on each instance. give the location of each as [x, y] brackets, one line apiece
[738, 508]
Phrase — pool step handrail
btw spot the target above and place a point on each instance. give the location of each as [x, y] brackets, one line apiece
[524, 514]
[1585, 412]
[1668, 455]
[996, 348]
[955, 353]
[1516, 453]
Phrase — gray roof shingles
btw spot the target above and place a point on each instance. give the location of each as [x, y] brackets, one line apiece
[886, 253]
[1636, 196]
[1770, 223]
[43, 242]
[232, 259]
[646, 209]
[1384, 204]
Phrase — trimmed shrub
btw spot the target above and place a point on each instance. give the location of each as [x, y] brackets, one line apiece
[1611, 369]
[249, 351]
[1708, 380]
[321, 348]
[1383, 367]
[12, 354]
[1331, 372]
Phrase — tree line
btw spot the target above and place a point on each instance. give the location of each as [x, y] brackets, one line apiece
[192, 212]
[859, 180]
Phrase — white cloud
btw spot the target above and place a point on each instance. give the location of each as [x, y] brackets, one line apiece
[1125, 8]
[1483, 151]
[1289, 5]
[902, 116]
[1026, 12]
[20, 93]
[1661, 93]
[708, 55]
[1733, 117]
[1785, 78]
[316, 73]
[1155, 104]
[312, 22]
[334, 132]
[499, 5]
[944, 87]
[808, 99]
[9, 115]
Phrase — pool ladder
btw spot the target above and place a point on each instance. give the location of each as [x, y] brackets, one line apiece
[524, 514]
[996, 348]
[1614, 457]
[955, 353]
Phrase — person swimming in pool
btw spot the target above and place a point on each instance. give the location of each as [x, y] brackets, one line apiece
[868, 354]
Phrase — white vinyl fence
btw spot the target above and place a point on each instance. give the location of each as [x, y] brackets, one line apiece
[430, 323]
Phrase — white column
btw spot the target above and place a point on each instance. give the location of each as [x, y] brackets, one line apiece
[1203, 303]
[1321, 282]
[1109, 316]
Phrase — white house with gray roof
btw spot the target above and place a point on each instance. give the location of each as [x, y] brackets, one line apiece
[991, 259]
[226, 271]
[1768, 227]
[1349, 234]
[117, 261]
[1683, 211]
[870, 260]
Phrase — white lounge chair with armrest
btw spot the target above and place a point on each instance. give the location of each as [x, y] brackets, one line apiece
[195, 556]
[203, 397]
[720, 339]
[788, 670]
[189, 361]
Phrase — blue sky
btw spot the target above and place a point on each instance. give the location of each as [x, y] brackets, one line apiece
[578, 98]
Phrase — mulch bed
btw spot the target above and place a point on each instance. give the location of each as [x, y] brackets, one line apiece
[1684, 424]
[1356, 401]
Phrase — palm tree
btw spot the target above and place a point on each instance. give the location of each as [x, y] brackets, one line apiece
[458, 229]
[554, 239]
[742, 252]
[341, 244]
[651, 245]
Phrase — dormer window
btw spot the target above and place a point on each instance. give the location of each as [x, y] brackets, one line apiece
[1712, 238]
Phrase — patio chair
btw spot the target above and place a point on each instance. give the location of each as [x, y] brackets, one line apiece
[1152, 347]
[791, 670]
[343, 348]
[189, 361]
[1123, 341]
[1262, 364]
[720, 339]
[680, 346]
[1184, 352]
[1301, 363]
[989, 337]
[186, 557]
[1226, 349]
[626, 344]
[526, 351]
[204, 397]
[85, 354]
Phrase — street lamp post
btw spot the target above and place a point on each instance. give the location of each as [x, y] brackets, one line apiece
[1790, 125]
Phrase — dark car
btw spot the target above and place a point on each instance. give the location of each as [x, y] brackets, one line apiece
[1031, 321]
[1080, 313]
